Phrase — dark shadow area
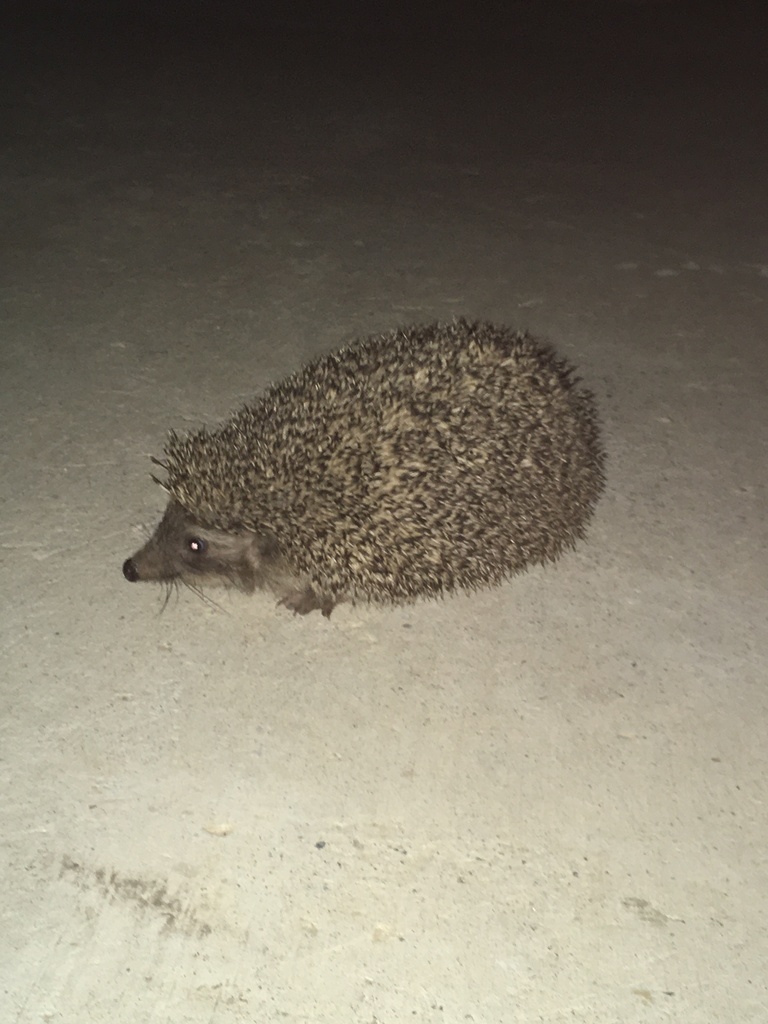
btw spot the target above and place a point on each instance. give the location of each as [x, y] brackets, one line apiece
[563, 79]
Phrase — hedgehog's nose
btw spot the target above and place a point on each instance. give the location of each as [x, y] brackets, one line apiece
[130, 571]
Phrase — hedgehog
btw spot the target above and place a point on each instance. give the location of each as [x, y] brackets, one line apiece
[413, 464]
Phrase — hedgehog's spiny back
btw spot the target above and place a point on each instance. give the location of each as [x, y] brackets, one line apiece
[406, 465]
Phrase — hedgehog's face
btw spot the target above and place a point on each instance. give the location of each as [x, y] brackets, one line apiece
[182, 551]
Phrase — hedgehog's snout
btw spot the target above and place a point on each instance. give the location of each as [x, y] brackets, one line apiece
[130, 571]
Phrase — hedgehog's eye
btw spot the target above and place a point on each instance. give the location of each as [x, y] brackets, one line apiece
[196, 545]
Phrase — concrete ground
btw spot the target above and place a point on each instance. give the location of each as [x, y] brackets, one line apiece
[543, 803]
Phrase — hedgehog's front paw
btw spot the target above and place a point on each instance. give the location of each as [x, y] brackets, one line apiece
[302, 602]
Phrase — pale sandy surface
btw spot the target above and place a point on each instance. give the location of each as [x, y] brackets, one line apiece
[545, 803]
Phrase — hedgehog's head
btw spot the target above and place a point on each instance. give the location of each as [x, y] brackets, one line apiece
[182, 550]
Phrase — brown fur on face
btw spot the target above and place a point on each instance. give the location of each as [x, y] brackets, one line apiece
[183, 551]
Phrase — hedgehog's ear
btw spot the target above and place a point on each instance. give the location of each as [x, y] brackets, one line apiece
[267, 546]
[243, 575]
[247, 566]
[262, 565]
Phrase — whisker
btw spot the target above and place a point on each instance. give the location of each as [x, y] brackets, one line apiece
[170, 587]
[200, 593]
